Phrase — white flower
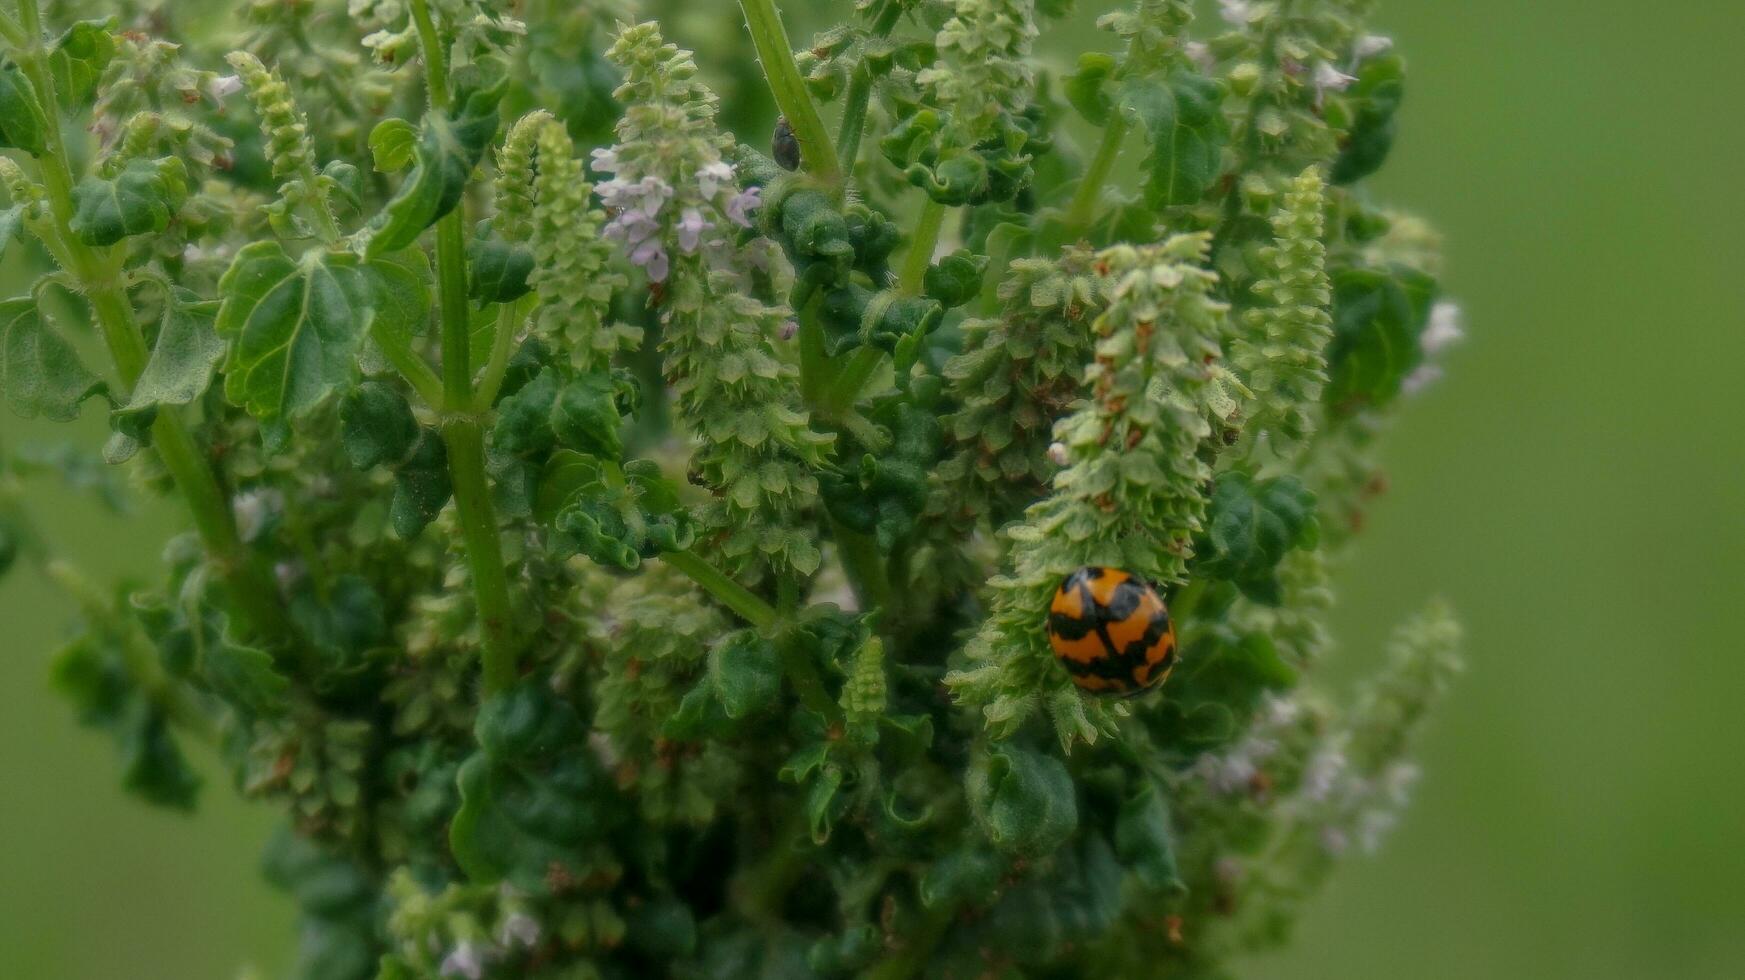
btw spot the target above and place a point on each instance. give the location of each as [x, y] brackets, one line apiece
[1200, 53]
[713, 177]
[1334, 841]
[518, 928]
[1236, 12]
[465, 960]
[605, 159]
[790, 329]
[1058, 455]
[224, 85]
[254, 509]
[1444, 329]
[1373, 827]
[1331, 79]
[1370, 45]
[1323, 772]
[1420, 379]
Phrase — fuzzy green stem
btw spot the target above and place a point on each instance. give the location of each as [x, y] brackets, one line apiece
[478, 519]
[730, 593]
[854, 103]
[509, 317]
[1090, 189]
[803, 675]
[920, 257]
[98, 272]
[417, 373]
[461, 429]
[845, 390]
[814, 362]
[12, 32]
[777, 55]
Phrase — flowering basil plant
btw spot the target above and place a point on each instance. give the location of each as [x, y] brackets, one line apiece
[623, 521]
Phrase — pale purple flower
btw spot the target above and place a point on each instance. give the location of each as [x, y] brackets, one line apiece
[713, 177]
[1444, 329]
[465, 960]
[1373, 827]
[518, 929]
[790, 329]
[254, 510]
[692, 224]
[741, 205]
[1057, 454]
[652, 258]
[605, 159]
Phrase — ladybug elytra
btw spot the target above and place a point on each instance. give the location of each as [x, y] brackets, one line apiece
[1111, 631]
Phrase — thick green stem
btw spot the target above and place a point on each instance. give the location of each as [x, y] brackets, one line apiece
[921, 246]
[1090, 189]
[817, 153]
[864, 567]
[509, 317]
[462, 429]
[845, 389]
[484, 543]
[728, 592]
[859, 93]
[251, 586]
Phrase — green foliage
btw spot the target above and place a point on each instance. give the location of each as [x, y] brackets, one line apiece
[40, 371]
[649, 572]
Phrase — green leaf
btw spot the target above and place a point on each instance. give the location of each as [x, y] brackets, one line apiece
[293, 327]
[585, 417]
[1144, 840]
[377, 426]
[1214, 692]
[138, 201]
[530, 801]
[747, 674]
[92, 673]
[22, 124]
[1087, 88]
[1023, 801]
[78, 59]
[422, 486]
[180, 368]
[1185, 125]
[1377, 317]
[1375, 98]
[392, 145]
[399, 285]
[1250, 526]
[447, 151]
[497, 271]
[39, 370]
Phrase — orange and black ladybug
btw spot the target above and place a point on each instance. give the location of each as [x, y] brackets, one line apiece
[1111, 631]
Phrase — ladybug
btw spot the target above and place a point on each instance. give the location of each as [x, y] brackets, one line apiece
[1111, 631]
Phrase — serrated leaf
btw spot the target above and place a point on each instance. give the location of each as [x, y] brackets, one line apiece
[497, 271]
[747, 674]
[422, 486]
[399, 285]
[39, 371]
[1024, 801]
[1185, 126]
[22, 124]
[78, 59]
[377, 426]
[180, 368]
[1250, 526]
[1376, 98]
[293, 327]
[1087, 88]
[138, 201]
[530, 802]
[446, 152]
[392, 145]
[1378, 315]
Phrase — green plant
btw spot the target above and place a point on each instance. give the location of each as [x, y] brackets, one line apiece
[622, 552]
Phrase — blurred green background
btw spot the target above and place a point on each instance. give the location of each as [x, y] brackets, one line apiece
[1576, 487]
